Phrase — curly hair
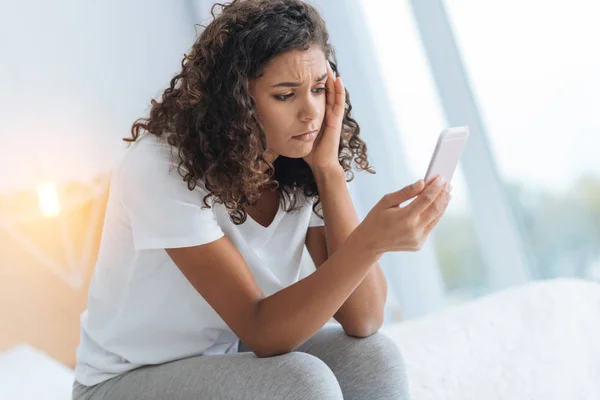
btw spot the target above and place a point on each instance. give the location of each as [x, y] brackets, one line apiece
[209, 116]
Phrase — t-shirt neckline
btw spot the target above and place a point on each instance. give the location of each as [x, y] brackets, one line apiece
[263, 233]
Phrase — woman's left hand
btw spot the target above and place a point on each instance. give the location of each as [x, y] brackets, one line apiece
[324, 154]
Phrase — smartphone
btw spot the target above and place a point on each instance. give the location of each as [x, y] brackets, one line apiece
[448, 150]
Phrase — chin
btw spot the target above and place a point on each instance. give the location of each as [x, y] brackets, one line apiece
[298, 152]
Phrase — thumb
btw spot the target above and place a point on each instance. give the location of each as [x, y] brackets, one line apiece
[396, 198]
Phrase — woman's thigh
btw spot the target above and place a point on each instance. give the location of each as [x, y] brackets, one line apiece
[233, 376]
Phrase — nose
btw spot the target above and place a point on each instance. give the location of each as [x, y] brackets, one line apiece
[311, 108]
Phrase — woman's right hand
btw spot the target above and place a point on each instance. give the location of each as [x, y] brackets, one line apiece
[390, 227]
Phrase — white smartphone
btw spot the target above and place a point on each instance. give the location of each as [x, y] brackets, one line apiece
[448, 150]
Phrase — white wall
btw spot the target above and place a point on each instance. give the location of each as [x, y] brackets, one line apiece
[74, 75]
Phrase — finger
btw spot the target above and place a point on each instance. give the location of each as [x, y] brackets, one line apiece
[340, 97]
[428, 196]
[431, 225]
[330, 85]
[436, 210]
[435, 221]
[336, 101]
[396, 198]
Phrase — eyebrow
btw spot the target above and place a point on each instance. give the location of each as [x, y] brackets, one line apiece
[296, 84]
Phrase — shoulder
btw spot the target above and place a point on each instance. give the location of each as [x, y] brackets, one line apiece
[150, 168]
[148, 154]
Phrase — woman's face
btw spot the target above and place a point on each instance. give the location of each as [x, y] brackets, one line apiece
[290, 100]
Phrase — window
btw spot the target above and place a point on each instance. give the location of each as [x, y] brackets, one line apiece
[534, 68]
[419, 116]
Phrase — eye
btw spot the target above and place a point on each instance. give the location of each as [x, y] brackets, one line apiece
[284, 97]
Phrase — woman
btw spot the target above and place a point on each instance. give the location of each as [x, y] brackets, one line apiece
[196, 293]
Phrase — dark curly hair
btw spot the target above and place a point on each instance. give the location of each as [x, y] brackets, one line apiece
[208, 115]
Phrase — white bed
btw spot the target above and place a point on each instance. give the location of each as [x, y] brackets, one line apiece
[29, 374]
[537, 341]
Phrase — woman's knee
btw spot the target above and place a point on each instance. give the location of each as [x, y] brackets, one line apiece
[381, 347]
[306, 377]
[380, 353]
[364, 368]
[377, 347]
[371, 367]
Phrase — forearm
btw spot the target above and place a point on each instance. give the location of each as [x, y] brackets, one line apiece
[362, 313]
[293, 315]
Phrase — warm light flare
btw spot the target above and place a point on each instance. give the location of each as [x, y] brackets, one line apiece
[48, 199]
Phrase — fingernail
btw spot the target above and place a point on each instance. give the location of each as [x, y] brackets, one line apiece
[417, 183]
[439, 181]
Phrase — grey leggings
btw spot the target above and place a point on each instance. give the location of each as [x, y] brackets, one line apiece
[330, 365]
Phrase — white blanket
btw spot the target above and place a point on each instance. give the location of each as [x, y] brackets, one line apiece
[536, 341]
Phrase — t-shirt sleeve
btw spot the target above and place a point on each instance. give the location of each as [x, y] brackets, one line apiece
[163, 212]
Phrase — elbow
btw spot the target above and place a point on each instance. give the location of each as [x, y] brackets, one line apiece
[362, 333]
[264, 340]
[269, 353]
[265, 351]
[365, 328]
[264, 346]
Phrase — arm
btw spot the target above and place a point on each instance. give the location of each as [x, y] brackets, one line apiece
[283, 321]
[362, 313]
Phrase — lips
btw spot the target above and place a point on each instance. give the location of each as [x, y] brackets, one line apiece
[306, 137]
[306, 134]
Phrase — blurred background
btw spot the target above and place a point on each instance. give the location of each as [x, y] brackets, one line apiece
[523, 75]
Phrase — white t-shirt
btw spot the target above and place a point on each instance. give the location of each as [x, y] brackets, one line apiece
[141, 308]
